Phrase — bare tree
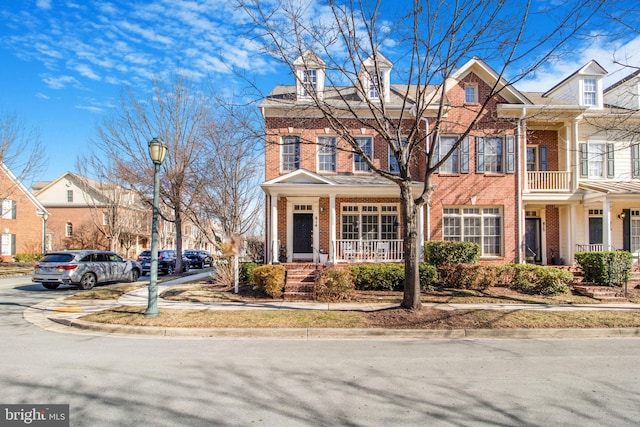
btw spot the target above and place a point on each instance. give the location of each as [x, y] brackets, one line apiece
[228, 202]
[20, 151]
[176, 112]
[430, 40]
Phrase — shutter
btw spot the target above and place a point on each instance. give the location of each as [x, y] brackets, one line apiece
[13, 209]
[544, 161]
[584, 160]
[479, 154]
[635, 161]
[610, 163]
[13, 244]
[626, 230]
[464, 155]
[511, 154]
[436, 154]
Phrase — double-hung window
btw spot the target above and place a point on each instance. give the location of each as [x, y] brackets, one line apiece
[326, 154]
[470, 94]
[8, 209]
[496, 154]
[589, 91]
[370, 222]
[374, 86]
[70, 196]
[393, 162]
[68, 231]
[452, 164]
[8, 244]
[366, 145]
[309, 82]
[596, 160]
[479, 225]
[290, 153]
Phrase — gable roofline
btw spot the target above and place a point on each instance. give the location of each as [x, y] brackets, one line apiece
[309, 57]
[85, 184]
[489, 76]
[580, 70]
[23, 189]
[623, 80]
[299, 173]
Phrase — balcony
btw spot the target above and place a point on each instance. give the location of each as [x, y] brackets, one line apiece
[369, 250]
[548, 181]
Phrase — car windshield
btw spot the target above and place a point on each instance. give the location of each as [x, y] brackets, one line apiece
[57, 258]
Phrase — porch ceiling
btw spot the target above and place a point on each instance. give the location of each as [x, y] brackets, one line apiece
[612, 187]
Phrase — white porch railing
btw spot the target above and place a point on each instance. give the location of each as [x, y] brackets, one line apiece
[549, 181]
[369, 250]
[593, 247]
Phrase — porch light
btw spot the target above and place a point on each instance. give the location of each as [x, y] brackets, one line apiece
[622, 215]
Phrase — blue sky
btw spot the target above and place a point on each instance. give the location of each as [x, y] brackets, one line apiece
[65, 62]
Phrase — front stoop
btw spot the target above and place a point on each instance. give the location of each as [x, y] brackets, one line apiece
[600, 293]
[300, 282]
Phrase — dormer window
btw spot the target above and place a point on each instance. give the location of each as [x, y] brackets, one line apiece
[309, 82]
[589, 95]
[374, 87]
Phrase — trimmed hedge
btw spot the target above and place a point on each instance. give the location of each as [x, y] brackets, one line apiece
[270, 279]
[536, 279]
[245, 271]
[467, 276]
[334, 284]
[388, 277]
[438, 252]
[24, 257]
[611, 268]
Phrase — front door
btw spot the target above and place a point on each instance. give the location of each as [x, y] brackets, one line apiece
[595, 230]
[533, 252]
[302, 236]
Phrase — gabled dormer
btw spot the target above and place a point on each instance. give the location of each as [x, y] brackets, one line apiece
[375, 77]
[583, 88]
[310, 70]
[624, 93]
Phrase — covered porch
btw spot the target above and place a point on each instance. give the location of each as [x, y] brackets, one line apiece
[333, 219]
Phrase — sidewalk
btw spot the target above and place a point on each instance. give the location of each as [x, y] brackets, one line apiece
[62, 315]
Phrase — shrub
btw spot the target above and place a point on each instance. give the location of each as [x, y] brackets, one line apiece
[270, 279]
[440, 252]
[389, 277]
[246, 271]
[537, 279]
[612, 268]
[467, 276]
[27, 257]
[378, 277]
[334, 284]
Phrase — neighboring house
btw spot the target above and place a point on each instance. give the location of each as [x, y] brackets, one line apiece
[90, 214]
[537, 179]
[22, 218]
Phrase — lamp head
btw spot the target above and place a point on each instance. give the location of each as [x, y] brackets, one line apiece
[157, 150]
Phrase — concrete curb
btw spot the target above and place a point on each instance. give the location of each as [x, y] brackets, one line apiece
[348, 333]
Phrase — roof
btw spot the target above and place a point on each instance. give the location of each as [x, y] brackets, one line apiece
[40, 208]
[611, 187]
[593, 63]
[622, 81]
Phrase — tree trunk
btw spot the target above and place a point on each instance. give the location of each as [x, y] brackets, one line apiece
[178, 225]
[411, 297]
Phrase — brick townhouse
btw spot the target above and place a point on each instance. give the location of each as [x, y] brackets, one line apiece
[22, 218]
[540, 176]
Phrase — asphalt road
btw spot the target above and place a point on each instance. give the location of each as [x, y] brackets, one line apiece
[151, 381]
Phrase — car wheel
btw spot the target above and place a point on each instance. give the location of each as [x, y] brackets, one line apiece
[51, 285]
[87, 281]
[186, 268]
[134, 275]
[201, 264]
[169, 270]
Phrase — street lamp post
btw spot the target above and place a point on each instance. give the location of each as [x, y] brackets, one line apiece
[157, 152]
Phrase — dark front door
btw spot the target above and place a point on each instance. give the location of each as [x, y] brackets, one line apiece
[302, 233]
[595, 230]
[532, 239]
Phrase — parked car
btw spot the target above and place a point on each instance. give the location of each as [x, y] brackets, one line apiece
[166, 261]
[198, 258]
[84, 268]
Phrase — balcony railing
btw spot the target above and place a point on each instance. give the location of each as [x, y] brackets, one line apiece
[593, 247]
[549, 181]
[369, 250]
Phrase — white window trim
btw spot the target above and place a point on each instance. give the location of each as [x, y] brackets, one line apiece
[283, 145]
[441, 154]
[356, 156]
[583, 92]
[473, 86]
[335, 153]
[482, 215]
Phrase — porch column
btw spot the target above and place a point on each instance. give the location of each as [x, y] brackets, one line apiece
[275, 250]
[576, 155]
[606, 225]
[572, 227]
[332, 227]
[421, 233]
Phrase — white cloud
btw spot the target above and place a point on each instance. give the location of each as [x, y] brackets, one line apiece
[87, 72]
[43, 4]
[59, 82]
[42, 96]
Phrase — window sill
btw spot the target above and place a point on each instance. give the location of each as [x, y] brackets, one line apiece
[446, 174]
[494, 175]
